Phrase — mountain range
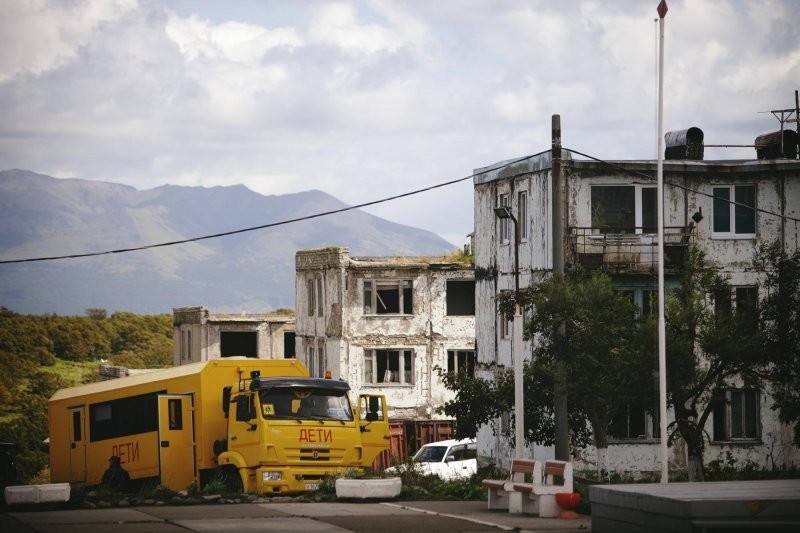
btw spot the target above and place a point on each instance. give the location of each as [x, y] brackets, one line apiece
[250, 271]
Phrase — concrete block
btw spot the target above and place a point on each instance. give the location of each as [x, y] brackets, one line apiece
[52, 492]
[368, 488]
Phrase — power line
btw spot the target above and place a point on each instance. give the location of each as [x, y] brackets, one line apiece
[679, 186]
[367, 204]
[234, 232]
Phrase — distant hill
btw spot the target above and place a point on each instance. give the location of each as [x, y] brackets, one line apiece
[41, 216]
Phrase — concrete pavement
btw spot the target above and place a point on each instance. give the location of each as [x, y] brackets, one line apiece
[385, 517]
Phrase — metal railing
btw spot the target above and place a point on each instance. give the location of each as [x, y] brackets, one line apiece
[628, 249]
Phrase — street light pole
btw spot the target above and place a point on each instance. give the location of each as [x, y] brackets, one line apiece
[504, 213]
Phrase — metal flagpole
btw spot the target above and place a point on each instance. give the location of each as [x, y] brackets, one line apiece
[662, 344]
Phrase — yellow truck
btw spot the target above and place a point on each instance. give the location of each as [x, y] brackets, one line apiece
[261, 426]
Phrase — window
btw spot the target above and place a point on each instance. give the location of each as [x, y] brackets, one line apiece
[460, 297]
[320, 297]
[186, 345]
[388, 366]
[746, 305]
[505, 327]
[505, 223]
[736, 414]
[624, 209]
[310, 359]
[122, 417]
[522, 216]
[238, 344]
[737, 218]
[310, 295]
[174, 408]
[634, 421]
[322, 361]
[461, 361]
[392, 297]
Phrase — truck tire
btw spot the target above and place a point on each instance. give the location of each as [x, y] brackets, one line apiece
[231, 479]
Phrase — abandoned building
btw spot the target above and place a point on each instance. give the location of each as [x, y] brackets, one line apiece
[609, 223]
[200, 336]
[384, 324]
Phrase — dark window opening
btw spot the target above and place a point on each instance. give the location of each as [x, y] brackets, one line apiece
[122, 417]
[288, 345]
[461, 361]
[238, 343]
[175, 413]
[736, 414]
[461, 297]
[76, 426]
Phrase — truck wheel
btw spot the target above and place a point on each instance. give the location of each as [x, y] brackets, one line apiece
[231, 479]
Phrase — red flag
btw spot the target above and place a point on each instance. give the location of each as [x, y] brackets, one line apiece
[662, 9]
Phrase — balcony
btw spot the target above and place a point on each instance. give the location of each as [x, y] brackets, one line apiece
[628, 250]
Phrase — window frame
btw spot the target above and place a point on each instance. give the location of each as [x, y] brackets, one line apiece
[405, 290]
[732, 211]
[459, 359]
[638, 210]
[724, 406]
[504, 200]
[405, 361]
[522, 215]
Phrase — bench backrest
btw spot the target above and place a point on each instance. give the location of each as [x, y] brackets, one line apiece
[562, 469]
[522, 467]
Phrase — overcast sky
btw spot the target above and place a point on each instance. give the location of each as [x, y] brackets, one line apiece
[369, 99]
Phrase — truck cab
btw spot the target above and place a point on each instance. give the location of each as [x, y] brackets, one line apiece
[285, 434]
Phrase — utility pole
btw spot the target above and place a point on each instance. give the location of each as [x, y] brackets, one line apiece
[560, 392]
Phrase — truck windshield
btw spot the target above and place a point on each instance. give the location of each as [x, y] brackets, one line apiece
[305, 404]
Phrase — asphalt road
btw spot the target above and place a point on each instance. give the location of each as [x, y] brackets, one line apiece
[385, 517]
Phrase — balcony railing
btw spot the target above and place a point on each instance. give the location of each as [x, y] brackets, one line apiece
[628, 249]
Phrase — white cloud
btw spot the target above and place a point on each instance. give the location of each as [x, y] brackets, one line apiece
[365, 99]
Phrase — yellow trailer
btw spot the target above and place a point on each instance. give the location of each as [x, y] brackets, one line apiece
[261, 425]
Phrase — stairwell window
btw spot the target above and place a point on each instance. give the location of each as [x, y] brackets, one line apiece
[734, 212]
[310, 294]
[389, 366]
[388, 297]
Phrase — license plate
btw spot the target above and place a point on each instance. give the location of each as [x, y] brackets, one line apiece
[312, 486]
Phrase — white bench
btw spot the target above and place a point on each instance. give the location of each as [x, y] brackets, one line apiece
[499, 489]
[539, 496]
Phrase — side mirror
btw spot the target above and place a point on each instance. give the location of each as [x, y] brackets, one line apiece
[244, 408]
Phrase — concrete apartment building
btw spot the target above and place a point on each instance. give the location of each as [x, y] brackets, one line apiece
[199, 335]
[383, 324]
[610, 224]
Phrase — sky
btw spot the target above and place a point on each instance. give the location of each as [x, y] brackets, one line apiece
[370, 99]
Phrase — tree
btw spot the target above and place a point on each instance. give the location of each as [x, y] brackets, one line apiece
[780, 327]
[708, 349]
[582, 322]
[608, 359]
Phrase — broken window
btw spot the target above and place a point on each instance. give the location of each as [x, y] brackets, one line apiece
[391, 297]
[736, 414]
[461, 297]
[734, 211]
[461, 361]
[623, 209]
[288, 344]
[389, 366]
[238, 344]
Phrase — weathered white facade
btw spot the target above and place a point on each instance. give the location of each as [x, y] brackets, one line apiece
[595, 193]
[199, 335]
[383, 324]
